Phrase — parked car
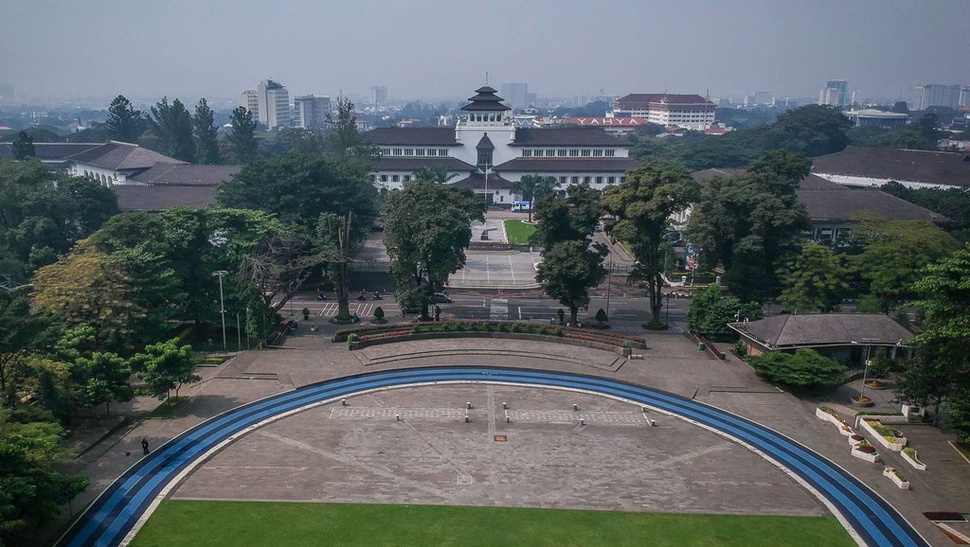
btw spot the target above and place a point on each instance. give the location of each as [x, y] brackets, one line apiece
[440, 298]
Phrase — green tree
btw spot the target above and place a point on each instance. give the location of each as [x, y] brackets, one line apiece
[242, 135]
[567, 217]
[205, 133]
[533, 187]
[941, 363]
[124, 123]
[814, 280]
[568, 270]
[812, 130]
[643, 205]
[433, 173]
[748, 223]
[32, 487]
[343, 137]
[805, 369]
[101, 378]
[426, 232]
[893, 253]
[710, 313]
[299, 188]
[19, 333]
[23, 146]
[172, 124]
[85, 288]
[164, 367]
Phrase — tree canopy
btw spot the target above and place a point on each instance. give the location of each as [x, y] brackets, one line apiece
[205, 133]
[804, 369]
[532, 187]
[426, 231]
[124, 123]
[569, 270]
[710, 313]
[643, 205]
[242, 135]
[749, 222]
[814, 280]
[172, 124]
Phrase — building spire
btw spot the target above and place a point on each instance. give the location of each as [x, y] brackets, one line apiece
[486, 77]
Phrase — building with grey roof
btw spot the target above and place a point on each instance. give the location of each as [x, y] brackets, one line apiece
[486, 141]
[875, 166]
[846, 337]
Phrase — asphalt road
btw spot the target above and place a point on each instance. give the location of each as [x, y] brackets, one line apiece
[625, 312]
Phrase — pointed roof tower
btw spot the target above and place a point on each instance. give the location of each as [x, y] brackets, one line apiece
[485, 100]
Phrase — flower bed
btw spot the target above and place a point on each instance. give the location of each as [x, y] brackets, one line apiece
[377, 332]
[888, 437]
[898, 479]
[855, 439]
[829, 415]
[865, 451]
[909, 455]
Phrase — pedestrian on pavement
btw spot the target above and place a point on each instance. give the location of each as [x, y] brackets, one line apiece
[437, 313]
[144, 445]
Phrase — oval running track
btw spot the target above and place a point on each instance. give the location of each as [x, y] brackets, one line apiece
[127, 502]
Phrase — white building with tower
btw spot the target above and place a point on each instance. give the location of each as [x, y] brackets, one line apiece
[269, 103]
[486, 152]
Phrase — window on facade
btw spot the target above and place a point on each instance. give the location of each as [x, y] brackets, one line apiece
[409, 151]
[396, 152]
[550, 152]
[484, 158]
[622, 180]
[598, 153]
[395, 178]
[526, 152]
[599, 180]
[574, 152]
[561, 153]
[609, 152]
[610, 180]
[575, 180]
[432, 151]
[419, 151]
[586, 179]
[442, 152]
[562, 180]
[385, 151]
[586, 152]
[383, 178]
[407, 178]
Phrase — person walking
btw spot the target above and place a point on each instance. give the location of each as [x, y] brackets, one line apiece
[144, 446]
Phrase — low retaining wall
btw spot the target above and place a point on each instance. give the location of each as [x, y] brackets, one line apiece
[499, 335]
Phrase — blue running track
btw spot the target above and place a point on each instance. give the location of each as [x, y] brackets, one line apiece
[114, 514]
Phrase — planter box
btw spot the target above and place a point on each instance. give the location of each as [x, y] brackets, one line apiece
[913, 461]
[501, 335]
[883, 418]
[834, 420]
[891, 475]
[896, 445]
[854, 442]
[871, 458]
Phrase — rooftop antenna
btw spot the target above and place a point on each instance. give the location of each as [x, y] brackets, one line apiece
[486, 77]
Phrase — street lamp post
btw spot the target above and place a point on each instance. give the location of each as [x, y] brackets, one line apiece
[668, 310]
[222, 307]
[609, 283]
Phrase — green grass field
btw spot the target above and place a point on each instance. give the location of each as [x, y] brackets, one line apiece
[211, 523]
[519, 232]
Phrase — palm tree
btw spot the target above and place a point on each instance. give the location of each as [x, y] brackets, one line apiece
[531, 187]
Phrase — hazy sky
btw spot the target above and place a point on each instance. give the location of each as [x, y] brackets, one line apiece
[217, 48]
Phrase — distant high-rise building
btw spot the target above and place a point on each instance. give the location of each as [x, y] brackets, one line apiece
[310, 112]
[248, 100]
[834, 93]
[759, 98]
[274, 104]
[378, 95]
[928, 95]
[516, 95]
[965, 95]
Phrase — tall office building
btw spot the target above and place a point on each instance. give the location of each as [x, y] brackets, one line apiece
[378, 95]
[965, 95]
[834, 93]
[516, 95]
[247, 100]
[927, 95]
[274, 104]
[310, 112]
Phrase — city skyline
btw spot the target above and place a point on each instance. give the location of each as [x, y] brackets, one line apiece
[883, 49]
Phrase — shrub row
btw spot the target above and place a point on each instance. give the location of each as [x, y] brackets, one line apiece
[611, 338]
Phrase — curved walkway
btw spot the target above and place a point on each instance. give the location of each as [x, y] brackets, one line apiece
[124, 506]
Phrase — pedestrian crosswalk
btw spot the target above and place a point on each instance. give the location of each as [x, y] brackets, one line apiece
[329, 309]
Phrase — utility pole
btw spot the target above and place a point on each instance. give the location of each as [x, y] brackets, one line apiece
[222, 307]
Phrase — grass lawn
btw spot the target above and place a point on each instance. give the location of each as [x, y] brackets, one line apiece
[182, 522]
[168, 407]
[519, 232]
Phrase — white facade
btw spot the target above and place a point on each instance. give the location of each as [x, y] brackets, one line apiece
[248, 100]
[928, 95]
[687, 111]
[273, 102]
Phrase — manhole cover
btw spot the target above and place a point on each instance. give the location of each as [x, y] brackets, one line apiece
[501, 438]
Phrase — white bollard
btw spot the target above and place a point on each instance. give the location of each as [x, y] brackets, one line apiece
[505, 406]
[343, 402]
[582, 421]
[397, 417]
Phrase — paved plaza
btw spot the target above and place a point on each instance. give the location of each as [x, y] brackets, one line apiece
[413, 445]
